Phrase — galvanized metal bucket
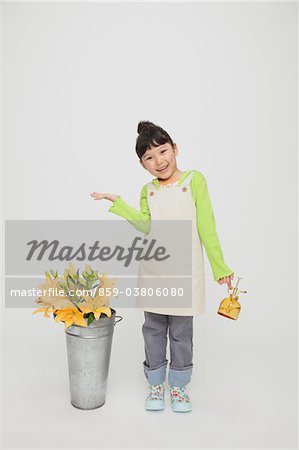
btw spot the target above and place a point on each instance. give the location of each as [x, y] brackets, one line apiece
[88, 351]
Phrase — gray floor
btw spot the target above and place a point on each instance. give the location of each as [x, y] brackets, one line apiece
[243, 391]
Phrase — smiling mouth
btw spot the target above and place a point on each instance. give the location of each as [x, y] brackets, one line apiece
[163, 168]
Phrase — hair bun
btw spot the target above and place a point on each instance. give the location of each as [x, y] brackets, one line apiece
[144, 125]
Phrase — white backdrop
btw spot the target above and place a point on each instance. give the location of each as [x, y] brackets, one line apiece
[221, 78]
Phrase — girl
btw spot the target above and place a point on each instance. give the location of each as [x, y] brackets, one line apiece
[172, 194]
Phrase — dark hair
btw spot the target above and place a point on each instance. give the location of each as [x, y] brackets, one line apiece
[150, 135]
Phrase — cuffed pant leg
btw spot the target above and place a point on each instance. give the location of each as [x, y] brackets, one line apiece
[181, 350]
[179, 377]
[154, 332]
[155, 376]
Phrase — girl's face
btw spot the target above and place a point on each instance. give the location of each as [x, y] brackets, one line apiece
[160, 161]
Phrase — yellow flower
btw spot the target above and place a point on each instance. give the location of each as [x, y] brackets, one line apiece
[97, 301]
[71, 270]
[95, 305]
[47, 311]
[51, 295]
[70, 316]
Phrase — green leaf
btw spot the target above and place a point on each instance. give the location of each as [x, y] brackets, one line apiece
[90, 319]
[71, 282]
[71, 277]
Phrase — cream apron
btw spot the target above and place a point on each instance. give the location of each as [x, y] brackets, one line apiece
[175, 203]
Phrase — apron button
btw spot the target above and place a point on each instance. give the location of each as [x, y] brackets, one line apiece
[184, 189]
[151, 193]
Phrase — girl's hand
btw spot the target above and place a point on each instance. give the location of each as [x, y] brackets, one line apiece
[100, 196]
[227, 280]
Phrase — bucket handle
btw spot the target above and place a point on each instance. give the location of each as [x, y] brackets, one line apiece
[119, 319]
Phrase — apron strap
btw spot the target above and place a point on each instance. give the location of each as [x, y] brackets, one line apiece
[187, 179]
[150, 187]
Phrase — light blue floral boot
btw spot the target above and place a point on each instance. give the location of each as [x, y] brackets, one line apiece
[180, 400]
[155, 398]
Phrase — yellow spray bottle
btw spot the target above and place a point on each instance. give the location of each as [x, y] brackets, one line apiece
[230, 307]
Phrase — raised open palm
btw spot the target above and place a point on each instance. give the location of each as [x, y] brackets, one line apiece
[97, 195]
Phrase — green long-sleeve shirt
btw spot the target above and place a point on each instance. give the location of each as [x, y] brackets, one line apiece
[205, 219]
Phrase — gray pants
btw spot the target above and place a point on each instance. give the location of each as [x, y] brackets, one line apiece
[154, 331]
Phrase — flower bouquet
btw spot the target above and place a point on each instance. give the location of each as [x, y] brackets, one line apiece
[68, 297]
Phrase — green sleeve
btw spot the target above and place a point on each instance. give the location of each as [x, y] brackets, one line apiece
[206, 226]
[141, 220]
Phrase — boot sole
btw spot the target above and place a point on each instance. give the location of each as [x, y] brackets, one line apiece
[154, 405]
[179, 408]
